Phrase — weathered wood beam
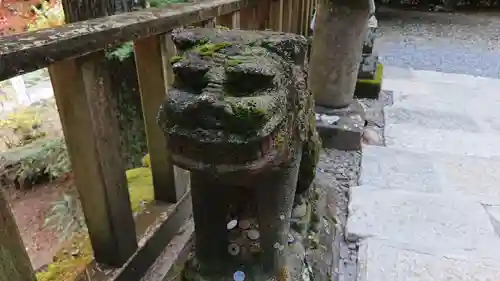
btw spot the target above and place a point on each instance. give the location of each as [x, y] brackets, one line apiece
[15, 264]
[84, 101]
[30, 51]
[151, 56]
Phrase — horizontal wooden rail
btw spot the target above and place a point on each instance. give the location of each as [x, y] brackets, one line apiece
[30, 51]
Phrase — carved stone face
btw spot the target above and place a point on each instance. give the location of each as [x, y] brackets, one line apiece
[232, 103]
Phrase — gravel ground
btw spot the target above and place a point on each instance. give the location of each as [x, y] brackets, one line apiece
[343, 168]
[452, 43]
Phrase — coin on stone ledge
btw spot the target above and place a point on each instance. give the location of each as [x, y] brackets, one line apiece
[233, 249]
[244, 224]
[253, 234]
[254, 247]
[232, 224]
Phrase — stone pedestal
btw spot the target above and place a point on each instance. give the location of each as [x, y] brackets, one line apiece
[341, 128]
[369, 82]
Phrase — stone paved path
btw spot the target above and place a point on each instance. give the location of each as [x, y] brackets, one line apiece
[428, 205]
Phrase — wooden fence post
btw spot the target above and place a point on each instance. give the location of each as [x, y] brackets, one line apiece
[152, 56]
[84, 100]
[15, 264]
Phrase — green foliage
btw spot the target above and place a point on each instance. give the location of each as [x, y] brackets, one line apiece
[21, 128]
[43, 159]
[66, 217]
[122, 52]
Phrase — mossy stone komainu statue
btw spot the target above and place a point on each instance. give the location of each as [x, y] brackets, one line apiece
[240, 118]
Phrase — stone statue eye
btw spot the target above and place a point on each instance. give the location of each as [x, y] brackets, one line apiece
[247, 78]
[190, 74]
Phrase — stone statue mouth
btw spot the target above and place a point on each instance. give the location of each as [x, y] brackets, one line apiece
[229, 120]
[225, 134]
[210, 150]
[229, 157]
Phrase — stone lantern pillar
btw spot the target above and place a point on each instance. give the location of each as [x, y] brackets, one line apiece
[339, 32]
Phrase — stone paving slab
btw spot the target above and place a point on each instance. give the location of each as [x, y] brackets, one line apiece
[432, 119]
[424, 140]
[399, 169]
[430, 223]
[429, 88]
[380, 261]
[426, 76]
[428, 207]
[477, 178]
[449, 102]
[466, 114]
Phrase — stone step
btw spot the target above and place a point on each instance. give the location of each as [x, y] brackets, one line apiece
[379, 260]
[426, 140]
[473, 103]
[429, 118]
[476, 178]
[398, 169]
[426, 77]
[437, 224]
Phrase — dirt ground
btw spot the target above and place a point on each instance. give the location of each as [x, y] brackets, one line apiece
[30, 209]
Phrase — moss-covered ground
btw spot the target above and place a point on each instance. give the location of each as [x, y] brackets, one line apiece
[76, 253]
[370, 88]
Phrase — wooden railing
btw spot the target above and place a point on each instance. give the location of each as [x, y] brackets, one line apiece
[74, 54]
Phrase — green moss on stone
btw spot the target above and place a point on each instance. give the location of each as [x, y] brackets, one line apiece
[370, 88]
[208, 49]
[175, 59]
[378, 76]
[233, 62]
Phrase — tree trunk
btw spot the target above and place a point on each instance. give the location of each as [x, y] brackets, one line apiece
[15, 264]
[339, 31]
[80, 10]
[451, 4]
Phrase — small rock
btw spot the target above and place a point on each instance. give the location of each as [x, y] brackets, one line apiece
[371, 137]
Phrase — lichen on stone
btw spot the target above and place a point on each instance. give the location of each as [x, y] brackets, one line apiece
[175, 59]
[208, 49]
